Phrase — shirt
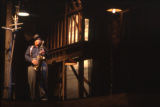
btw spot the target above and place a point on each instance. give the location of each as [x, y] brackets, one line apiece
[32, 53]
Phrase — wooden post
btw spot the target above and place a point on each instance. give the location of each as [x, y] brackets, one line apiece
[81, 78]
[2, 41]
[63, 80]
[7, 70]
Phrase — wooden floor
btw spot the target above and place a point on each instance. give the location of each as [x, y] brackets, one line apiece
[119, 100]
[116, 100]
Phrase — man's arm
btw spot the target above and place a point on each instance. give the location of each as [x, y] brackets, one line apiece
[27, 55]
[44, 52]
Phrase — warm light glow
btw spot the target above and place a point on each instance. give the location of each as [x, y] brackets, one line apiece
[73, 29]
[70, 62]
[86, 30]
[114, 10]
[23, 14]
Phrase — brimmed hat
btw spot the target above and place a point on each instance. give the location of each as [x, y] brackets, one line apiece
[37, 37]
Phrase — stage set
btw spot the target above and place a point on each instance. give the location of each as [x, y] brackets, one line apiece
[98, 53]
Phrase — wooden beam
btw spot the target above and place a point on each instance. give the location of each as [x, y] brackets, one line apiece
[79, 79]
[63, 57]
[63, 80]
[75, 73]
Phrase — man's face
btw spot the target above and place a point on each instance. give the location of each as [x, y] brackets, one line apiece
[37, 42]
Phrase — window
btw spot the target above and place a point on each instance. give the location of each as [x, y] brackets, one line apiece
[73, 29]
[86, 30]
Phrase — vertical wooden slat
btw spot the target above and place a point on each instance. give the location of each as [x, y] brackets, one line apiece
[82, 27]
[65, 25]
[58, 35]
[60, 77]
[78, 29]
[68, 30]
[64, 32]
[71, 29]
[79, 26]
[63, 80]
[54, 37]
[61, 39]
[74, 28]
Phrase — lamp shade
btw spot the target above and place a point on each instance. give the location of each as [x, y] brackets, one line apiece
[22, 13]
[114, 10]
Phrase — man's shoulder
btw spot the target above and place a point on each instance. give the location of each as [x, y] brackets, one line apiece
[30, 46]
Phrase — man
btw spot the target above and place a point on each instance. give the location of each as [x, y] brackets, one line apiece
[37, 69]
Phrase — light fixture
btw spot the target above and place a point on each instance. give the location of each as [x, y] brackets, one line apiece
[22, 13]
[114, 10]
[70, 62]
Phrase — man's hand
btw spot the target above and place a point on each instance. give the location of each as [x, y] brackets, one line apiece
[35, 62]
[42, 52]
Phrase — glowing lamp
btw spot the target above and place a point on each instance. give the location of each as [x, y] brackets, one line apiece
[114, 10]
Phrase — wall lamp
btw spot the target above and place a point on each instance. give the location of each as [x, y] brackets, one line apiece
[114, 10]
[117, 10]
[21, 12]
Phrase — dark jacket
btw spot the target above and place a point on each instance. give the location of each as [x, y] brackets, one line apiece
[32, 53]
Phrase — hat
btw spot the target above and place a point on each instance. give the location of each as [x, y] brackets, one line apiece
[37, 37]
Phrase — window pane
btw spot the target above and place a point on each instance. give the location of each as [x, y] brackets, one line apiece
[86, 29]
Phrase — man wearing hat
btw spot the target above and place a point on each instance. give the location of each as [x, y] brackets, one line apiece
[37, 70]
